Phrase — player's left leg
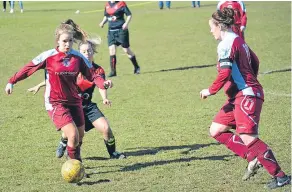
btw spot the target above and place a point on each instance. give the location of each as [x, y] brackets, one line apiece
[160, 4]
[21, 6]
[133, 59]
[167, 4]
[124, 39]
[102, 125]
[247, 115]
[95, 118]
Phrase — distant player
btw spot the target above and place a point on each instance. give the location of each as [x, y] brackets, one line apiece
[93, 116]
[118, 33]
[237, 72]
[240, 19]
[62, 65]
[161, 4]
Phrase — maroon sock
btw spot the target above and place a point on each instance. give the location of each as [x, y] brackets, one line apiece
[259, 149]
[74, 153]
[232, 142]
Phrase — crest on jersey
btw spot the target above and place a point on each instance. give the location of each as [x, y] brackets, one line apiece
[112, 18]
[66, 62]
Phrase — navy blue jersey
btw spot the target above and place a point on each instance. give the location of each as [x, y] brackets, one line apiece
[115, 14]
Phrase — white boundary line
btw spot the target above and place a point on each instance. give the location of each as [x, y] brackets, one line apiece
[134, 5]
[277, 94]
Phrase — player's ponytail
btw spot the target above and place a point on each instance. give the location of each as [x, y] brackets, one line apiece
[69, 26]
[79, 34]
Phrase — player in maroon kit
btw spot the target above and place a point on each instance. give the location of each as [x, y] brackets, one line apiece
[240, 18]
[118, 33]
[94, 118]
[62, 65]
[237, 71]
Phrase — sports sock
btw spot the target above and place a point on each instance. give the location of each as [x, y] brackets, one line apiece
[264, 154]
[110, 145]
[232, 142]
[74, 153]
[134, 61]
[113, 63]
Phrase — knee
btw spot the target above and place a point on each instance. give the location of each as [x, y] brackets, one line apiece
[128, 51]
[74, 137]
[112, 50]
[105, 127]
[217, 128]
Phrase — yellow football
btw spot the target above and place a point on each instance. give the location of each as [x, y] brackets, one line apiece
[73, 171]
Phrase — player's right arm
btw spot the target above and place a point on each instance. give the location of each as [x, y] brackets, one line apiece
[37, 63]
[105, 15]
[104, 20]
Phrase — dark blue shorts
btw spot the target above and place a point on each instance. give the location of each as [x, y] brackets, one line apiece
[119, 37]
[91, 113]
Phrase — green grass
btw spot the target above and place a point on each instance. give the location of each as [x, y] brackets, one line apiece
[157, 117]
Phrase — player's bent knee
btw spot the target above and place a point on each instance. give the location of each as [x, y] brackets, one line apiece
[105, 127]
[217, 128]
[128, 51]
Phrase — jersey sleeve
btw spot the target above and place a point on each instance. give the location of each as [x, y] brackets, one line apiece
[37, 63]
[224, 69]
[126, 9]
[100, 72]
[105, 13]
[88, 71]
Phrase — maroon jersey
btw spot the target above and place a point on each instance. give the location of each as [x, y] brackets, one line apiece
[237, 68]
[240, 18]
[62, 70]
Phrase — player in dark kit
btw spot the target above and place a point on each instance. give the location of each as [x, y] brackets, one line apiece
[118, 33]
[92, 115]
[238, 67]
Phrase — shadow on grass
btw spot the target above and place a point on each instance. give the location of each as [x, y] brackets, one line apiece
[97, 158]
[94, 182]
[181, 68]
[138, 166]
[155, 150]
[276, 71]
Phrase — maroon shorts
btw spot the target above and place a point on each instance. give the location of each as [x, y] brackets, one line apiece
[242, 113]
[62, 115]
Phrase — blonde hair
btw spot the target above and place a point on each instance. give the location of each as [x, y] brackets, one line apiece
[94, 42]
[70, 27]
